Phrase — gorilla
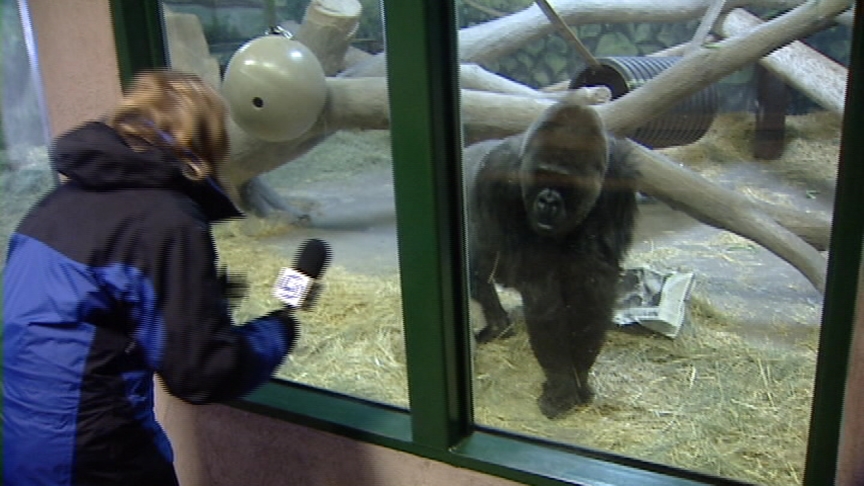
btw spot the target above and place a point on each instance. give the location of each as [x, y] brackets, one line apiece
[551, 215]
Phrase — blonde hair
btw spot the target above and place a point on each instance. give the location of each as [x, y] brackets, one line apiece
[178, 112]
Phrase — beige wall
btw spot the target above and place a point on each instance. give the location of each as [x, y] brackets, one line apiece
[222, 446]
[851, 467]
[77, 59]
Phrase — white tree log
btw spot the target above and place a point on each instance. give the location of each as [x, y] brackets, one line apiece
[474, 76]
[327, 30]
[820, 78]
[491, 40]
[709, 64]
[723, 209]
[362, 103]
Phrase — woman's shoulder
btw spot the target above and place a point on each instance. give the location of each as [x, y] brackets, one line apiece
[168, 208]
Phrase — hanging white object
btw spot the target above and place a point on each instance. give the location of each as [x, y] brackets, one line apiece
[275, 87]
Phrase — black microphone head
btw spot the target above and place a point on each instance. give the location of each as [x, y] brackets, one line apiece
[312, 258]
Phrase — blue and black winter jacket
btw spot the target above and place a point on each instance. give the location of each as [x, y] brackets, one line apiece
[111, 278]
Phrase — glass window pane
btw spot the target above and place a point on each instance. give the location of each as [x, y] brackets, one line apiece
[24, 169]
[310, 159]
[658, 299]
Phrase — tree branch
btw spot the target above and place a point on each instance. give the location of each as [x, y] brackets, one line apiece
[709, 64]
[798, 65]
[491, 40]
[721, 208]
[363, 103]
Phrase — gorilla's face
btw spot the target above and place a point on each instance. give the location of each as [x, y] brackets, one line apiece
[557, 201]
[563, 163]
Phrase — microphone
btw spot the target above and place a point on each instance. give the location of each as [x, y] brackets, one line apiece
[297, 287]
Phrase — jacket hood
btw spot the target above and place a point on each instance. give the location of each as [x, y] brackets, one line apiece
[95, 157]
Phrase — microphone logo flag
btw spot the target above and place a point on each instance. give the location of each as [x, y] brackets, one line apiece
[291, 287]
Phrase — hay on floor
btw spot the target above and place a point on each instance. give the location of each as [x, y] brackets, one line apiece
[708, 401]
[712, 400]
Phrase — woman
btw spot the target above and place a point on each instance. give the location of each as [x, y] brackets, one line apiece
[111, 278]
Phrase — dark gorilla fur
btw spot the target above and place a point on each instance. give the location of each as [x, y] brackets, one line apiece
[551, 216]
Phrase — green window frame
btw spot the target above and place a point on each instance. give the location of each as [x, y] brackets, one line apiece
[426, 145]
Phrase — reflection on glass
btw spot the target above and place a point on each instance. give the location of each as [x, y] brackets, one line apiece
[24, 170]
[706, 342]
[301, 172]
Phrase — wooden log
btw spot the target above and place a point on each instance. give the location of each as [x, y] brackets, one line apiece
[722, 208]
[362, 103]
[187, 46]
[705, 25]
[772, 101]
[491, 40]
[328, 28]
[567, 33]
[820, 78]
[711, 63]
[473, 76]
